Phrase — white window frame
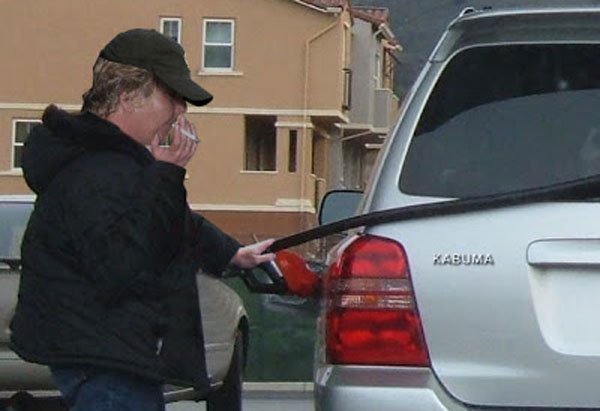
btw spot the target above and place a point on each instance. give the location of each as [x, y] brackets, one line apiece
[231, 45]
[164, 20]
[14, 141]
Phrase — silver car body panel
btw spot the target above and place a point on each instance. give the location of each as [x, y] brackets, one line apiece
[382, 388]
[545, 25]
[518, 331]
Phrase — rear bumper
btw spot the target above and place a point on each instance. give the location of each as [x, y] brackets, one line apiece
[359, 388]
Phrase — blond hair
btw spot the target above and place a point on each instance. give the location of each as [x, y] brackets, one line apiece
[110, 80]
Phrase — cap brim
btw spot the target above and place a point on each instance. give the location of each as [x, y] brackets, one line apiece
[188, 89]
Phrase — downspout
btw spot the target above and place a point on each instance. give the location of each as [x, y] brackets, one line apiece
[375, 35]
[376, 76]
[305, 106]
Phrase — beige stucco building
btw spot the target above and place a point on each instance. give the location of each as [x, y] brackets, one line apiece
[281, 72]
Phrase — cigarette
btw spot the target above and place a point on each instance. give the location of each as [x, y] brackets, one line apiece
[186, 133]
[189, 135]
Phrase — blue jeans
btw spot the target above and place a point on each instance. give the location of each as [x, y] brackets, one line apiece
[98, 389]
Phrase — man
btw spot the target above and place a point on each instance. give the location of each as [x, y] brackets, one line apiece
[108, 297]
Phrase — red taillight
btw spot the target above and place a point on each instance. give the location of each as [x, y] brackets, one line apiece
[372, 317]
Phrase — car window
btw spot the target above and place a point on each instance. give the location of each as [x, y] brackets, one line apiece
[505, 118]
[13, 220]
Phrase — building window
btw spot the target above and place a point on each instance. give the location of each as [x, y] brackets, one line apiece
[378, 70]
[313, 153]
[260, 143]
[389, 65]
[347, 102]
[218, 45]
[171, 27]
[293, 151]
[21, 129]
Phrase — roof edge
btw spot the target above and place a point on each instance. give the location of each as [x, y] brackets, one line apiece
[322, 9]
[366, 13]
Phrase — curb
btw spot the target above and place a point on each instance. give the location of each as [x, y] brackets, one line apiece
[278, 389]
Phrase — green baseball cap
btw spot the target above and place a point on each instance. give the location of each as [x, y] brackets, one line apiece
[160, 55]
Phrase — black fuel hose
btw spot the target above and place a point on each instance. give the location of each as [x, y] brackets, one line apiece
[576, 190]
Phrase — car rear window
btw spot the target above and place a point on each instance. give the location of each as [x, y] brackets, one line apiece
[505, 118]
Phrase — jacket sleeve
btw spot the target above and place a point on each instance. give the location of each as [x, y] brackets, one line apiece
[127, 224]
[213, 247]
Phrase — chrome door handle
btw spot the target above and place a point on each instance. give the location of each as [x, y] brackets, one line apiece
[569, 252]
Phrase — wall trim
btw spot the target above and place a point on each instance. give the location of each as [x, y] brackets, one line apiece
[260, 172]
[299, 208]
[321, 9]
[37, 106]
[224, 73]
[17, 172]
[293, 202]
[363, 126]
[355, 126]
[251, 208]
[381, 130]
[267, 111]
[195, 110]
[292, 124]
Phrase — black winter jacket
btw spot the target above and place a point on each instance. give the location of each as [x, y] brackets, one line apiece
[110, 254]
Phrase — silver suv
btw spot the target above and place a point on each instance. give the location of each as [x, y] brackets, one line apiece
[478, 288]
